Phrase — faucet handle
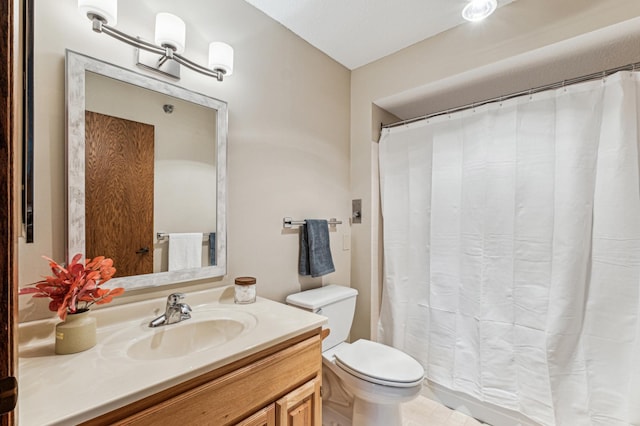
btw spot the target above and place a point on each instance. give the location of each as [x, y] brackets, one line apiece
[185, 308]
[174, 298]
[185, 311]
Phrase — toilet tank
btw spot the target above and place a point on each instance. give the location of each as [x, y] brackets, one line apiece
[337, 303]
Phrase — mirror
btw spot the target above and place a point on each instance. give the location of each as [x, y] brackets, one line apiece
[179, 174]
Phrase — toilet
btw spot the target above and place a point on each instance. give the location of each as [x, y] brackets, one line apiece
[364, 382]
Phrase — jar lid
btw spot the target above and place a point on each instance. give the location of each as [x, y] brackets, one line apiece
[245, 280]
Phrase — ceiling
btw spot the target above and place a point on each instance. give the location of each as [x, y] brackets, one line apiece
[357, 32]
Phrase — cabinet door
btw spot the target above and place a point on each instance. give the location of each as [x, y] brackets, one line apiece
[264, 417]
[301, 407]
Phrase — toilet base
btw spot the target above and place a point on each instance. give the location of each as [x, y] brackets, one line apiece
[369, 414]
[362, 402]
[331, 417]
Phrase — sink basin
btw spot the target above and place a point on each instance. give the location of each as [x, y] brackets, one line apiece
[205, 330]
[168, 342]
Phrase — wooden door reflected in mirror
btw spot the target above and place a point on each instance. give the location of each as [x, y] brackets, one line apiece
[119, 162]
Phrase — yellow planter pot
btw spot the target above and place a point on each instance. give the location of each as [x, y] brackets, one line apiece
[76, 334]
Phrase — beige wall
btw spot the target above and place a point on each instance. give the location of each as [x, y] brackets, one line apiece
[288, 134]
[514, 31]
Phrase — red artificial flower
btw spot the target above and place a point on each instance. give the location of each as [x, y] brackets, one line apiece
[76, 287]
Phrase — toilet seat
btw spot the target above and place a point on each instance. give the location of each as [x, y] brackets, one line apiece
[380, 364]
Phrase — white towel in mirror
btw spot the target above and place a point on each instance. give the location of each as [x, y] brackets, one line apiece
[185, 251]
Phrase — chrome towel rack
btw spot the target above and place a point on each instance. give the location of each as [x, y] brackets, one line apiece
[287, 222]
[165, 236]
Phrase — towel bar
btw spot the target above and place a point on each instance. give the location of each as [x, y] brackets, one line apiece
[165, 236]
[287, 222]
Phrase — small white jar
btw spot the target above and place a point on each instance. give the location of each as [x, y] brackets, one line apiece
[245, 290]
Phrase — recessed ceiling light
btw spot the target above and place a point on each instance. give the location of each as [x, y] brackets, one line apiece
[477, 10]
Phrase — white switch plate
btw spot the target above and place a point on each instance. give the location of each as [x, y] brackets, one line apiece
[346, 242]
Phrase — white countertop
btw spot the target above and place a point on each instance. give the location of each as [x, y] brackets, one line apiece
[69, 389]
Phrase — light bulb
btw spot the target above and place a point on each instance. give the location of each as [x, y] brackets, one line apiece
[170, 31]
[106, 10]
[221, 57]
[477, 10]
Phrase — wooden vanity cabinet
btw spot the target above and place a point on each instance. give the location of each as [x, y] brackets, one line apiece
[301, 407]
[276, 387]
[264, 417]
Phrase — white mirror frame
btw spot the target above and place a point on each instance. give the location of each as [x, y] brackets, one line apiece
[76, 67]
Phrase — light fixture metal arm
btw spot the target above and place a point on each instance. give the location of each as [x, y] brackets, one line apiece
[100, 27]
[219, 75]
[166, 53]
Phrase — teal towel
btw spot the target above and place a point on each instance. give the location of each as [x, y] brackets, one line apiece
[315, 252]
[212, 249]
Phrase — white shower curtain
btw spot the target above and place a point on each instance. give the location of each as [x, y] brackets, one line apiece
[512, 251]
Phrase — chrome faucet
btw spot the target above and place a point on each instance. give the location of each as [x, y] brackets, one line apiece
[174, 312]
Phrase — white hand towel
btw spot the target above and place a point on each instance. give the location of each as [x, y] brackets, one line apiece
[185, 251]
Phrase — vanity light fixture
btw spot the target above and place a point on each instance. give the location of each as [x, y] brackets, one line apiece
[165, 56]
[477, 10]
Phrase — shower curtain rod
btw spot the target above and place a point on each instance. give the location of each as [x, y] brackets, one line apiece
[563, 83]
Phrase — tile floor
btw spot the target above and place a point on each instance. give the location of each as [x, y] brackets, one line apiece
[425, 412]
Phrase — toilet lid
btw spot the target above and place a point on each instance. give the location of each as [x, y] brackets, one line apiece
[378, 363]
